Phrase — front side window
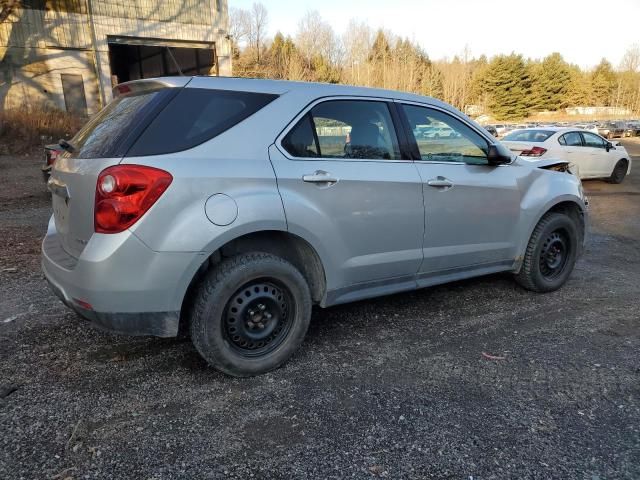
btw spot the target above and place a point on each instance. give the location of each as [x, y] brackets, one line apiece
[346, 129]
[443, 138]
[571, 139]
[591, 140]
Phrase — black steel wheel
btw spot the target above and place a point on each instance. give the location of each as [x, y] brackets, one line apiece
[619, 172]
[551, 253]
[257, 317]
[554, 254]
[250, 314]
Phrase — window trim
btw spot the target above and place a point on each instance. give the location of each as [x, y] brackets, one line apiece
[414, 144]
[584, 142]
[399, 130]
[565, 140]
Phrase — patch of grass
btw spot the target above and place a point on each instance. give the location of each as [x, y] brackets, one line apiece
[23, 130]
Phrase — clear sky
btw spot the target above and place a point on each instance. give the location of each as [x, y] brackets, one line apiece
[582, 31]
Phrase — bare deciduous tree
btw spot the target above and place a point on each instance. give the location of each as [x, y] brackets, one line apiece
[7, 7]
[316, 38]
[258, 27]
[239, 25]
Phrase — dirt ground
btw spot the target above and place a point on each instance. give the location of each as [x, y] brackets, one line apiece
[396, 387]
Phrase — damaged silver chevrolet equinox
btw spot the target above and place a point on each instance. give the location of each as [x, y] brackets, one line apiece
[227, 207]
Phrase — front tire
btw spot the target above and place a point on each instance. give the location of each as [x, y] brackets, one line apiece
[250, 314]
[619, 172]
[551, 253]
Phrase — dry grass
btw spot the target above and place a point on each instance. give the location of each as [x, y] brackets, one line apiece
[25, 129]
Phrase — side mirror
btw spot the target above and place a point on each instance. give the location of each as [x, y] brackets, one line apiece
[609, 146]
[498, 155]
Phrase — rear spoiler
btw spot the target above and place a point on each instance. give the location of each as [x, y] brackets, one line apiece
[145, 85]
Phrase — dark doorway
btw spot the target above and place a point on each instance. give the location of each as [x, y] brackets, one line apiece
[73, 91]
[132, 62]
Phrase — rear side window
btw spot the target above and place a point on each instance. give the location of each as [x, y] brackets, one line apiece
[195, 115]
[111, 132]
[535, 136]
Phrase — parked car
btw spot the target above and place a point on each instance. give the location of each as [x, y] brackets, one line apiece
[589, 127]
[611, 130]
[501, 128]
[228, 207]
[491, 129]
[632, 129]
[593, 156]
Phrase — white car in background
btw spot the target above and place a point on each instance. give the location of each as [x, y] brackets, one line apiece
[589, 127]
[593, 156]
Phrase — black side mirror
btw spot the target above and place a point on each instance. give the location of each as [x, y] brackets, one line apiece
[498, 155]
[609, 146]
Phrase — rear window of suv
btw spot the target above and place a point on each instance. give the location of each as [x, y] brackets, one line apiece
[162, 121]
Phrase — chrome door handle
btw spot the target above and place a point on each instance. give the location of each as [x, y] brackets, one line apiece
[319, 176]
[440, 182]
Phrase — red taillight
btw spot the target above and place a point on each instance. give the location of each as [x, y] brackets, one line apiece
[52, 156]
[83, 304]
[534, 152]
[122, 89]
[124, 193]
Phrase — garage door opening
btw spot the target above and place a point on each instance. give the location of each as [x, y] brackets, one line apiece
[133, 62]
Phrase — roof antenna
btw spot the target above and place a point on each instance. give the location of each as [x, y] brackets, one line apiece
[174, 61]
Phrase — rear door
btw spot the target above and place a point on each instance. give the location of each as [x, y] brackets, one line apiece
[347, 187]
[471, 208]
[571, 144]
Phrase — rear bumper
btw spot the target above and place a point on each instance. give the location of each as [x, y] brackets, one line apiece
[119, 284]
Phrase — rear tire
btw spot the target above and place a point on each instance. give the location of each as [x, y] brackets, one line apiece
[619, 172]
[250, 314]
[551, 253]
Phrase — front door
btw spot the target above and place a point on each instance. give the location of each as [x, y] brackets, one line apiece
[345, 186]
[600, 162]
[471, 207]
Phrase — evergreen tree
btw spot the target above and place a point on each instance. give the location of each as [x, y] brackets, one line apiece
[603, 83]
[550, 83]
[508, 86]
[579, 91]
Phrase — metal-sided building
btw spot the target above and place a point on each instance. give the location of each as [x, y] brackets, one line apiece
[68, 54]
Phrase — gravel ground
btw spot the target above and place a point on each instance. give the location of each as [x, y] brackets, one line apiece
[395, 387]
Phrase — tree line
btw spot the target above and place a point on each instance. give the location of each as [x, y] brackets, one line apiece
[507, 86]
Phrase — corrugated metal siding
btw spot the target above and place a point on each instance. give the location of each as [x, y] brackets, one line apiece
[66, 24]
[196, 12]
[23, 28]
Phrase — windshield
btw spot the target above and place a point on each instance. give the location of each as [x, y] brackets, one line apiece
[536, 136]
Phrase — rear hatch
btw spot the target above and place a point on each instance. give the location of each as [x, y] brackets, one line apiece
[102, 142]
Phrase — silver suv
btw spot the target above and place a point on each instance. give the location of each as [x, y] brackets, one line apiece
[226, 208]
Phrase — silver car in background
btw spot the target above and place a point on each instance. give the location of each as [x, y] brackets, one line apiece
[226, 208]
